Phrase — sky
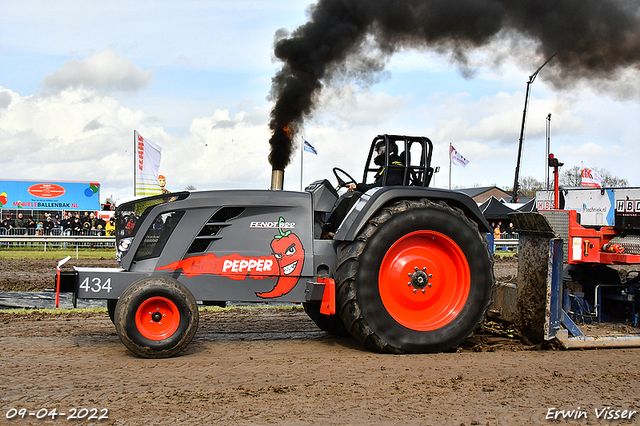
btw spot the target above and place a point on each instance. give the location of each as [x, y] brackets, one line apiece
[77, 78]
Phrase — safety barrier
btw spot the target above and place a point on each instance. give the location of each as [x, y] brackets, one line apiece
[52, 231]
[506, 244]
[57, 241]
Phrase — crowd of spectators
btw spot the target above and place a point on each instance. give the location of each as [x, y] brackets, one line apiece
[70, 223]
[501, 230]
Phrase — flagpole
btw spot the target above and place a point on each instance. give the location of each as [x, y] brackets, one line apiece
[134, 163]
[450, 165]
[301, 160]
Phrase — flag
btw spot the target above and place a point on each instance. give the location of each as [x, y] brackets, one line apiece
[309, 148]
[147, 160]
[456, 158]
[591, 178]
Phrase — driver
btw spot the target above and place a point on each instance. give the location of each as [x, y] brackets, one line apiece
[395, 175]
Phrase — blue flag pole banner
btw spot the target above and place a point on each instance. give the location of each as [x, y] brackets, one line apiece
[49, 195]
[309, 148]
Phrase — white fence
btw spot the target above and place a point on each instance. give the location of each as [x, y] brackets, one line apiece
[57, 241]
[506, 244]
[52, 231]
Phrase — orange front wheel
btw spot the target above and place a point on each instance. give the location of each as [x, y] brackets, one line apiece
[156, 317]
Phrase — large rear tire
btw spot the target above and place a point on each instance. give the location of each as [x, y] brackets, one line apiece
[156, 317]
[417, 279]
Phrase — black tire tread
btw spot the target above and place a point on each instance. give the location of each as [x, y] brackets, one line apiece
[127, 331]
[347, 262]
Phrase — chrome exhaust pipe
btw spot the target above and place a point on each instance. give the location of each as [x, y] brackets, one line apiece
[277, 180]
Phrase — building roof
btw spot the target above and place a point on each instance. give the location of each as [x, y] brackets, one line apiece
[493, 209]
[483, 193]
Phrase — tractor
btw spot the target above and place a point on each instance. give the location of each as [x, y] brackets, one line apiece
[402, 268]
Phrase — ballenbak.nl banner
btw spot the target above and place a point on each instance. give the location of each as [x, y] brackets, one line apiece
[49, 195]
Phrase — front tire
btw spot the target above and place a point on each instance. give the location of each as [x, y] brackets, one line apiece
[111, 309]
[417, 279]
[156, 317]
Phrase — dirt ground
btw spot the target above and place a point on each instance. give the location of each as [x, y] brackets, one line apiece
[273, 366]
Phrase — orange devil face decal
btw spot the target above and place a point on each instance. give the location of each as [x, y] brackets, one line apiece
[289, 253]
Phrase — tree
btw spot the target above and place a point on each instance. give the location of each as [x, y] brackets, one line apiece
[190, 188]
[573, 177]
[610, 181]
[529, 186]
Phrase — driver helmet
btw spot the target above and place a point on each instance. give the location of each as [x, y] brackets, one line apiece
[380, 148]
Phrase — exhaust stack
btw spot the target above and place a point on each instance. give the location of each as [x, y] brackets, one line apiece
[277, 180]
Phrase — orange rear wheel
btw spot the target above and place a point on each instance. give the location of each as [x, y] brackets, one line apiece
[417, 278]
[424, 280]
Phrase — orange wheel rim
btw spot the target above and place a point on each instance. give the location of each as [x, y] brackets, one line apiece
[157, 318]
[424, 280]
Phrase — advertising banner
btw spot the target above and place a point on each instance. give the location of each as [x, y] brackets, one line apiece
[49, 195]
[148, 156]
[591, 178]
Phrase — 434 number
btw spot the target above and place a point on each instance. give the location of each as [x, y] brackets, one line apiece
[96, 285]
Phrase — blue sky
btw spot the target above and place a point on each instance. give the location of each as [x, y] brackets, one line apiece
[78, 77]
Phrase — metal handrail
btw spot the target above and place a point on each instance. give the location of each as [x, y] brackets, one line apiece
[61, 241]
[57, 239]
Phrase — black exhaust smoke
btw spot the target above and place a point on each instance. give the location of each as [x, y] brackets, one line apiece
[595, 38]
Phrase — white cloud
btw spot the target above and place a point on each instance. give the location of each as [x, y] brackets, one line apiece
[104, 72]
[5, 100]
[81, 135]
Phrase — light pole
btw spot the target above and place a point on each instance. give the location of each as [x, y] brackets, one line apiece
[532, 77]
[546, 168]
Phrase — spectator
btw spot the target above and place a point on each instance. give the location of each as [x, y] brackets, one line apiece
[158, 224]
[92, 220]
[131, 224]
[76, 225]
[85, 218]
[6, 224]
[47, 226]
[65, 223]
[99, 222]
[110, 227]
[20, 224]
[31, 226]
[39, 228]
[496, 232]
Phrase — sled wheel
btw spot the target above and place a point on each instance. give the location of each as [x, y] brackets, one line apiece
[417, 278]
[111, 308]
[156, 317]
[330, 323]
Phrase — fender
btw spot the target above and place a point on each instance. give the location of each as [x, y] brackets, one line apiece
[376, 198]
